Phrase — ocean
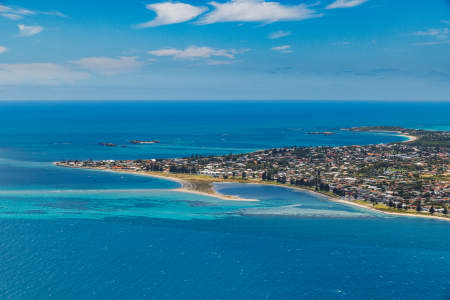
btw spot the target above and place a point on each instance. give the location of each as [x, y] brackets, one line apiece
[78, 234]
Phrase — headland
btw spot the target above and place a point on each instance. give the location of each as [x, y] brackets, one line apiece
[410, 178]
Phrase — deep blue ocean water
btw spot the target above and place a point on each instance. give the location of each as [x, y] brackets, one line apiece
[77, 234]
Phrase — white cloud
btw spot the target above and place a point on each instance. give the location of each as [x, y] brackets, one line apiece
[441, 34]
[3, 49]
[38, 74]
[17, 11]
[26, 31]
[256, 11]
[279, 34]
[109, 66]
[345, 3]
[193, 52]
[54, 13]
[13, 17]
[445, 21]
[283, 49]
[172, 13]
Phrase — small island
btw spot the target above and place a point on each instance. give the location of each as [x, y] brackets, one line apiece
[107, 144]
[407, 178]
[138, 142]
[321, 133]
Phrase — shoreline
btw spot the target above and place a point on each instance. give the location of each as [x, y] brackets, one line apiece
[216, 195]
[351, 203]
[411, 138]
[187, 187]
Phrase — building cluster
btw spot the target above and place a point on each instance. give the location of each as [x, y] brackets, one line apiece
[401, 175]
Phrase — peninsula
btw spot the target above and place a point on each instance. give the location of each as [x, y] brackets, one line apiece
[411, 177]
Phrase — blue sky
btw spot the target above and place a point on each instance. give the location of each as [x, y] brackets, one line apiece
[228, 49]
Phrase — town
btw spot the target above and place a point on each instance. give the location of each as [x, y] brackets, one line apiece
[409, 177]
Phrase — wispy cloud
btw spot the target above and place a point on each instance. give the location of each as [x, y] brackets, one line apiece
[54, 13]
[283, 49]
[193, 52]
[39, 74]
[13, 17]
[441, 36]
[345, 3]
[26, 31]
[17, 13]
[232, 11]
[256, 11]
[109, 66]
[172, 13]
[445, 21]
[3, 49]
[14, 13]
[279, 34]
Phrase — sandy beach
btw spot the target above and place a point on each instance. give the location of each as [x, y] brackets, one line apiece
[351, 203]
[410, 138]
[187, 187]
[217, 195]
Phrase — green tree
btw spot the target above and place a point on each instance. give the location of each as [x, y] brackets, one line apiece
[419, 206]
[432, 210]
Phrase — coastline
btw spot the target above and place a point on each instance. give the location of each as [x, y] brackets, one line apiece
[217, 195]
[188, 187]
[352, 203]
[411, 138]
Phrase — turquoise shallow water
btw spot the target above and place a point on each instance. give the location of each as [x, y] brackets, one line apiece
[101, 204]
[328, 251]
[78, 234]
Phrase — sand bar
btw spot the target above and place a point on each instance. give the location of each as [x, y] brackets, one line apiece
[188, 187]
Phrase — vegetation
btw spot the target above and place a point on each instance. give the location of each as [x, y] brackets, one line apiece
[396, 177]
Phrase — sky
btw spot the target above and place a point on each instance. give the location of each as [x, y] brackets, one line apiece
[225, 50]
